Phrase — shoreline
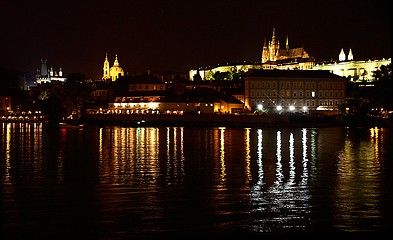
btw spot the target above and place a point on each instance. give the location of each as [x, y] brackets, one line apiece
[213, 120]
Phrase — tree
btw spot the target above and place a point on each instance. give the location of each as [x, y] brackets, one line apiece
[383, 90]
[77, 91]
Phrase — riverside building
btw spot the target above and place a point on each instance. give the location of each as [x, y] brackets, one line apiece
[294, 91]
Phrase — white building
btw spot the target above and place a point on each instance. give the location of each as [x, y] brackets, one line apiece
[357, 70]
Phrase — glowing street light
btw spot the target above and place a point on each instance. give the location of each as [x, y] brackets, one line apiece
[279, 108]
[291, 108]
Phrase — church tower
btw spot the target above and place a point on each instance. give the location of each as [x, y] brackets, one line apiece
[341, 57]
[273, 47]
[265, 52]
[287, 44]
[350, 55]
[106, 73]
[44, 67]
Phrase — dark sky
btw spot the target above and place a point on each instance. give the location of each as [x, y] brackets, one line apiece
[179, 35]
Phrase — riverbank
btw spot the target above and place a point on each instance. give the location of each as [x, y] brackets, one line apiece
[216, 120]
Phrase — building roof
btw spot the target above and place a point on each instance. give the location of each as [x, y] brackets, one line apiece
[146, 79]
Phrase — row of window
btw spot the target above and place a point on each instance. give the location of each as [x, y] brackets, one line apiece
[146, 87]
[299, 85]
[296, 93]
[308, 103]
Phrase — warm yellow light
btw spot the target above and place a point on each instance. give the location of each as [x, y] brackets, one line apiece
[153, 105]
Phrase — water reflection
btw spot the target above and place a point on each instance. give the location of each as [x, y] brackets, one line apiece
[358, 191]
[285, 203]
[21, 149]
[261, 180]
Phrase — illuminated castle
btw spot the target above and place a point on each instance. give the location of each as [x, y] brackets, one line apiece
[273, 53]
[114, 72]
[272, 58]
[355, 70]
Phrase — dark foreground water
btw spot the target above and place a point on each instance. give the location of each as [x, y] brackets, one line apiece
[113, 182]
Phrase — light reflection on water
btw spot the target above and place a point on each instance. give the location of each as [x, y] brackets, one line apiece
[170, 179]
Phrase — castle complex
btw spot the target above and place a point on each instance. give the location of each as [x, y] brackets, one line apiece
[272, 57]
[275, 57]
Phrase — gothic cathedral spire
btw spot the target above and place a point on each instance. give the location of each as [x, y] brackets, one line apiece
[265, 52]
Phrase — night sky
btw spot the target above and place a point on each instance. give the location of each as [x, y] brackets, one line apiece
[175, 35]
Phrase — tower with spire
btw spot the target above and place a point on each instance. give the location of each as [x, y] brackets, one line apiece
[273, 53]
[106, 75]
[350, 55]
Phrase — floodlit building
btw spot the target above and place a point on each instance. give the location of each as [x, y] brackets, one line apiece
[114, 72]
[47, 75]
[273, 57]
[356, 70]
[294, 91]
[273, 52]
[147, 94]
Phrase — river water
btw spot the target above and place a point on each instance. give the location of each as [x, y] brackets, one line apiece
[111, 182]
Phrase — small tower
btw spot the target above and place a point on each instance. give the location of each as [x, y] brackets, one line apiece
[350, 55]
[341, 57]
[265, 52]
[287, 44]
[116, 63]
[106, 73]
[51, 73]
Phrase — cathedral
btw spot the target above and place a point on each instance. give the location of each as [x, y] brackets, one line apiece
[114, 72]
[273, 53]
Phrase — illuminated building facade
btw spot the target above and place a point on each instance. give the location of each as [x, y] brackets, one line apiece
[296, 91]
[273, 57]
[272, 52]
[356, 70]
[114, 72]
[45, 75]
[147, 94]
